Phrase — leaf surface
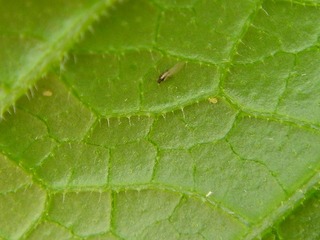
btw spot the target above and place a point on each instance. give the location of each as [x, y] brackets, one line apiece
[226, 148]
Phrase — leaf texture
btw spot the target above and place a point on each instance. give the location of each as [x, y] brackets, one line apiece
[226, 148]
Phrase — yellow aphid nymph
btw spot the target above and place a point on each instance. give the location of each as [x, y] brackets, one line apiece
[213, 100]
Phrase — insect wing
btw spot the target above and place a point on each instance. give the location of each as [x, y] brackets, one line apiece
[175, 69]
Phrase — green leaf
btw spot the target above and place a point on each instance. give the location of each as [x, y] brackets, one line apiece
[226, 148]
[36, 34]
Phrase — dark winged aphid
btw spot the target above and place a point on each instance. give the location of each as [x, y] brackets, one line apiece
[176, 68]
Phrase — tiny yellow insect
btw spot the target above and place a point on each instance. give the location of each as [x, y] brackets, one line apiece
[213, 100]
[47, 93]
[176, 68]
